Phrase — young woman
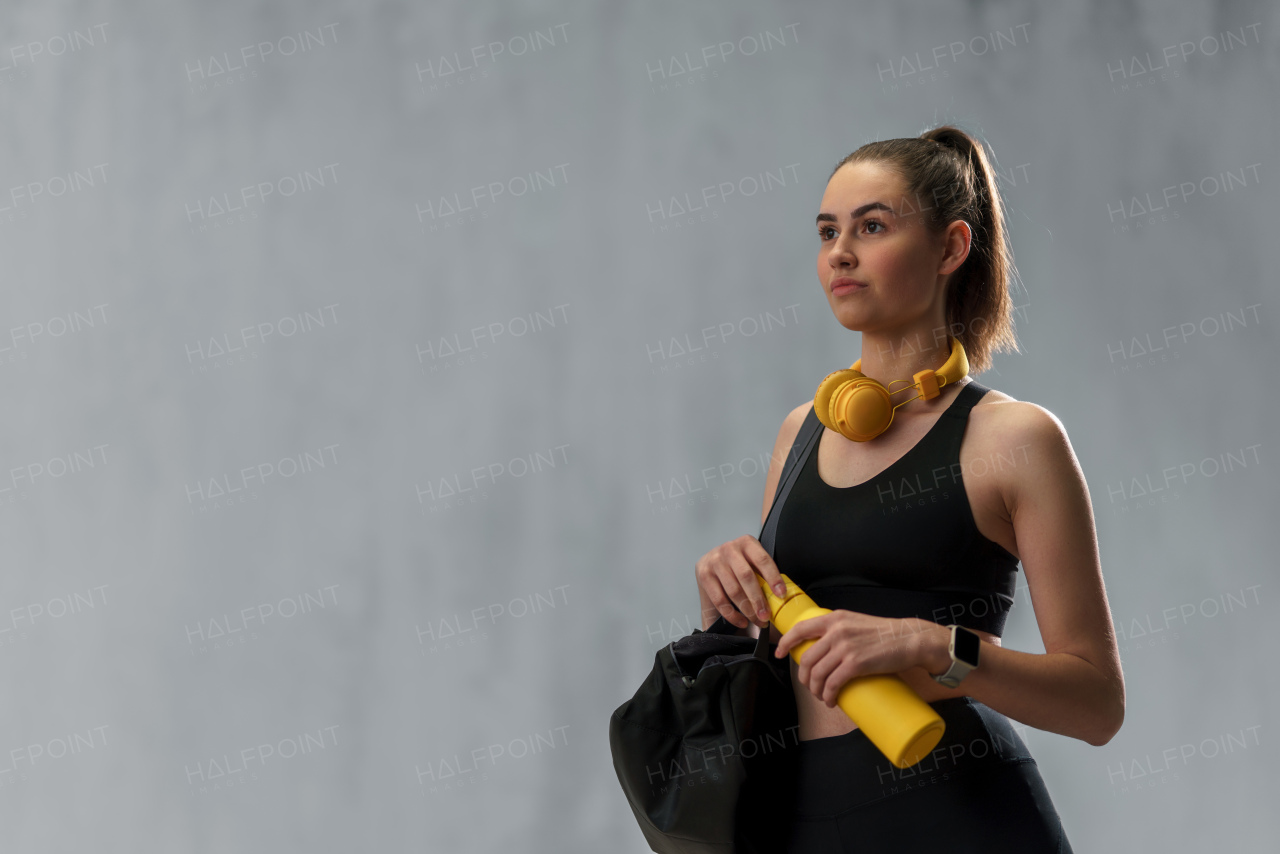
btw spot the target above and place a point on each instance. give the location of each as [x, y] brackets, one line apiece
[924, 525]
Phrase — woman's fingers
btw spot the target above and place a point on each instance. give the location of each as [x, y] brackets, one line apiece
[730, 576]
[708, 574]
[738, 615]
[764, 564]
[749, 597]
[725, 606]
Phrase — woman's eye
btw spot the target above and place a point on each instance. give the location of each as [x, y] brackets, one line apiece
[822, 232]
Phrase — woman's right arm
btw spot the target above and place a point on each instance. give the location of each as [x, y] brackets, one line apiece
[726, 573]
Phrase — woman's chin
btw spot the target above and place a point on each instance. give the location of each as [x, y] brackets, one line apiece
[849, 320]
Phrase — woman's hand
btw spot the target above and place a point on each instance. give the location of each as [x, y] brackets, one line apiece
[727, 577]
[851, 644]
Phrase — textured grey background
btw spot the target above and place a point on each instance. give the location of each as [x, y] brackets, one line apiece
[238, 612]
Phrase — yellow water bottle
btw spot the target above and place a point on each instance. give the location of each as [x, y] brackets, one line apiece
[903, 726]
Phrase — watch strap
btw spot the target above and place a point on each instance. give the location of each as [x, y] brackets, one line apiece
[958, 669]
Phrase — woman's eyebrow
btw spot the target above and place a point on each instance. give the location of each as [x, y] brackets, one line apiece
[826, 217]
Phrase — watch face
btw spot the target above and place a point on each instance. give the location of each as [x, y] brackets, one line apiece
[967, 646]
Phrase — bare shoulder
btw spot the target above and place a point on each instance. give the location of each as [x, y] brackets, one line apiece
[1029, 437]
[996, 396]
[787, 435]
[786, 438]
[795, 418]
[1007, 418]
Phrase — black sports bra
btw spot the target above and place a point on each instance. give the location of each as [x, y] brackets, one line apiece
[904, 543]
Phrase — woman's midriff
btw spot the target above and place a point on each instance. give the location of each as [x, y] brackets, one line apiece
[817, 720]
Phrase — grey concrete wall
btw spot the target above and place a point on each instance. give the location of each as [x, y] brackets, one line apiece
[346, 411]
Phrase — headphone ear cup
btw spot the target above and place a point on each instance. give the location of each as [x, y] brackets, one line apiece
[862, 409]
[827, 388]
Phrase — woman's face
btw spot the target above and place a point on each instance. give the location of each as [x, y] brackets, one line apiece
[871, 232]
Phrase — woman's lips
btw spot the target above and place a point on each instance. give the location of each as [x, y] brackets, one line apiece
[845, 286]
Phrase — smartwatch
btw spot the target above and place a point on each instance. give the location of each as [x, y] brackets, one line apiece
[963, 649]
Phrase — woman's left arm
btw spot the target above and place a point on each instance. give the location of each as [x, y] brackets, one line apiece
[1076, 687]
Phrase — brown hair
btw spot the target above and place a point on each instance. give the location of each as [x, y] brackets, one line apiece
[950, 171]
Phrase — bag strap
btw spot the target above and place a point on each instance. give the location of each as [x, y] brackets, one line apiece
[806, 440]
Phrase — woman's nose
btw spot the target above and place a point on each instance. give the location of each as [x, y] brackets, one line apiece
[841, 252]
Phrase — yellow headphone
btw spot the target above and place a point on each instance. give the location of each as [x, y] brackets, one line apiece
[859, 408]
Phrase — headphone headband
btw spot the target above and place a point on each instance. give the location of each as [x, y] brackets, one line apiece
[953, 370]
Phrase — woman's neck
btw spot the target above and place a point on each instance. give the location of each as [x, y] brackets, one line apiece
[899, 357]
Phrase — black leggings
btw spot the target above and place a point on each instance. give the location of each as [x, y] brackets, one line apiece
[978, 791]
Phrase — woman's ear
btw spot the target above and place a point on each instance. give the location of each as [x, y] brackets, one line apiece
[957, 243]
